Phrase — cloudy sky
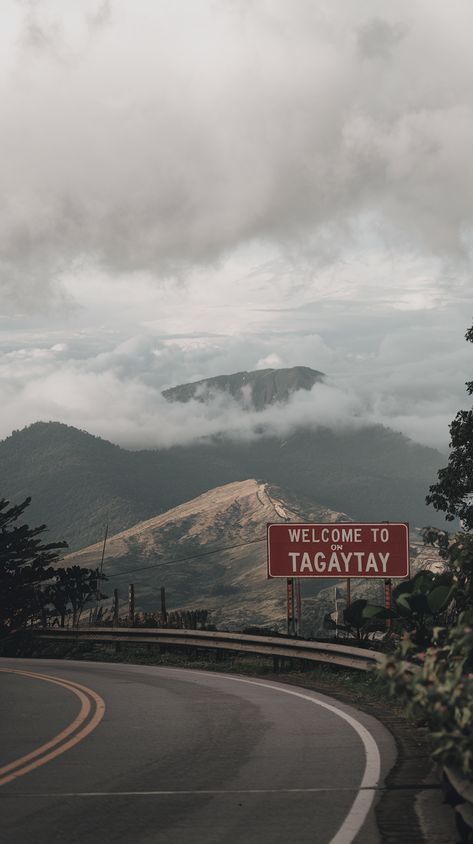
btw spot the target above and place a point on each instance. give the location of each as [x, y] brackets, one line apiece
[196, 188]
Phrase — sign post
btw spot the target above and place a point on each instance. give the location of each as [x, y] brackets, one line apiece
[290, 606]
[338, 550]
[388, 597]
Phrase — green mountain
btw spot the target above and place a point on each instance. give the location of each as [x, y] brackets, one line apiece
[79, 482]
[255, 390]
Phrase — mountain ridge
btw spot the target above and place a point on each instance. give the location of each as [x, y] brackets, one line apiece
[255, 389]
[79, 482]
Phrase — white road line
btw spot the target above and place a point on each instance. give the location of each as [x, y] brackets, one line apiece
[212, 791]
[370, 781]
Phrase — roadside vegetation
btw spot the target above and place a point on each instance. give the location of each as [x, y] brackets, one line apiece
[32, 590]
[432, 666]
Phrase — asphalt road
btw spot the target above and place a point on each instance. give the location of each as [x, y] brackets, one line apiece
[146, 754]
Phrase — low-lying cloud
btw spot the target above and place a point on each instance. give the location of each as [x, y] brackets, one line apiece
[117, 393]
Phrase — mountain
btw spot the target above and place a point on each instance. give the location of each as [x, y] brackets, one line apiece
[79, 482]
[254, 390]
[210, 553]
[231, 582]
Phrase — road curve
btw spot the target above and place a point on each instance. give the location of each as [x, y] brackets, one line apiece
[175, 755]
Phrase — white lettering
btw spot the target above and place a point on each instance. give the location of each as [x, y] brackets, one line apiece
[384, 561]
[384, 535]
[359, 555]
[371, 564]
[346, 560]
[306, 563]
[305, 535]
[294, 534]
[334, 564]
[294, 555]
[325, 535]
[375, 532]
[320, 567]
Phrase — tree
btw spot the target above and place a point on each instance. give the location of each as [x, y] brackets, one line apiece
[453, 492]
[25, 564]
[74, 587]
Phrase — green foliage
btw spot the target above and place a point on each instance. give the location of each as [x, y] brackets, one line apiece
[437, 686]
[362, 618]
[453, 491]
[457, 551]
[25, 564]
[419, 602]
[72, 589]
[31, 588]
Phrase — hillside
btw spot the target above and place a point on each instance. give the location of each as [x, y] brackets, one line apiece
[79, 482]
[231, 583]
[254, 390]
[172, 550]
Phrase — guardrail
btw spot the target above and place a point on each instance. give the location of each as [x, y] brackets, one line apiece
[273, 646]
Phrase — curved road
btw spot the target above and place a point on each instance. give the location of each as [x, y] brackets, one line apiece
[100, 752]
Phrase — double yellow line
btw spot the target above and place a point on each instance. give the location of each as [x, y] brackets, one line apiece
[90, 715]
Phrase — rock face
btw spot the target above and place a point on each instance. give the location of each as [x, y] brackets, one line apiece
[172, 550]
[253, 390]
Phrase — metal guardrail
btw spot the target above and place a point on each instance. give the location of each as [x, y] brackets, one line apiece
[273, 646]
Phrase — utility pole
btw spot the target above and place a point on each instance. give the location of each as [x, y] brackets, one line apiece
[131, 604]
[101, 574]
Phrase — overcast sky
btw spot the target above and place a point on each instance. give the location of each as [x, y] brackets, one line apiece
[197, 187]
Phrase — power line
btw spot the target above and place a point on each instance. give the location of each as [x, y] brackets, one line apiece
[176, 561]
[185, 559]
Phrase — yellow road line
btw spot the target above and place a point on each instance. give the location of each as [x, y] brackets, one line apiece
[61, 742]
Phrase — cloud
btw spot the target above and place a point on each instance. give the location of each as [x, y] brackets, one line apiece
[409, 385]
[158, 137]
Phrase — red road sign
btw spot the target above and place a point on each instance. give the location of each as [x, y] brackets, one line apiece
[371, 549]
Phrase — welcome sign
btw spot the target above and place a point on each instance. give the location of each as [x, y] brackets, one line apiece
[374, 549]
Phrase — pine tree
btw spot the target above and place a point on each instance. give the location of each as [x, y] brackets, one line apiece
[25, 564]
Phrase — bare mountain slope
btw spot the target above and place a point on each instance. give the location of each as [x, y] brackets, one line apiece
[231, 582]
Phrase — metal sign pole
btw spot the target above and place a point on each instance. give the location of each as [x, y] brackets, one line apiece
[299, 607]
[388, 598]
[290, 606]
